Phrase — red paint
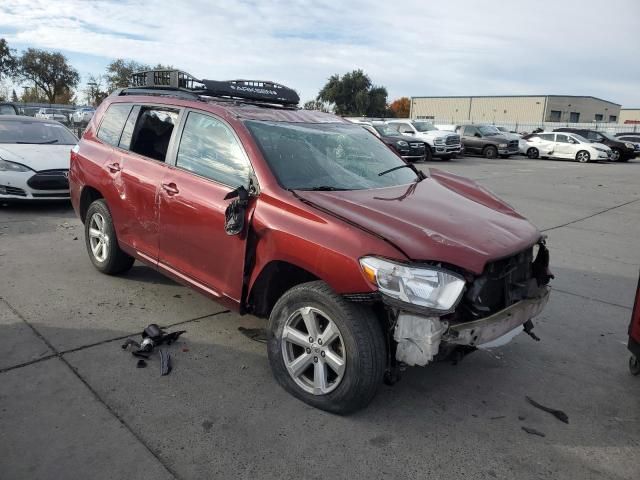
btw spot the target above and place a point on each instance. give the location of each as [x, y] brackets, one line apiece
[173, 220]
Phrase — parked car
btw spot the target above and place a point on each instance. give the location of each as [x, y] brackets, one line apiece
[360, 261]
[569, 146]
[9, 109]
[52, 114]
[488, 141]
[411, 151]
[622, 151]
[82, 116]
[631, 138]
[444, 145]
[34, 159]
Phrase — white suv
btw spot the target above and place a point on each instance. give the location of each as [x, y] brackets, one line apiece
[441, 144]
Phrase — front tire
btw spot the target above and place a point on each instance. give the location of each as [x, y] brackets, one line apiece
[490, 152]
[428, 156]
[101, 240]
[324, 350]
[583, 156]
[616, 154]
[533, 153]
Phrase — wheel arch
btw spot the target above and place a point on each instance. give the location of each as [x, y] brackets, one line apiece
[275, 278]
[88, 195]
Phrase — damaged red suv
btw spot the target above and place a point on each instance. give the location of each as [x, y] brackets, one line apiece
[361, 263]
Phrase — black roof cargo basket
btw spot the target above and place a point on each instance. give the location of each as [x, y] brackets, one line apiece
[254, 91]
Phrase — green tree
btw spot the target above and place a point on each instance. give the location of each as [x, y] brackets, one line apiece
[354, 94]
[119, 72]
[7, 60]
[50, 72]
[317, 105]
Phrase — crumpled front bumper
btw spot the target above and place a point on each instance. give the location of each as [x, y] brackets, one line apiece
[500, 323]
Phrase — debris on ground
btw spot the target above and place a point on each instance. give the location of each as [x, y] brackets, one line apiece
[498, 417]
[256, 334]
[154, 336]
[533, 431]
[559, 414]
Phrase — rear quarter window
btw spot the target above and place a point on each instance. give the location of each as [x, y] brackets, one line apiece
[113, 123]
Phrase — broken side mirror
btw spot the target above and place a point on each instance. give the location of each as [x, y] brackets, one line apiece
[234, 215]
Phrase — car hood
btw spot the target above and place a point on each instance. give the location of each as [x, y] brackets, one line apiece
[37, 157]
[398, 138]
[511, 136]
[443, 218]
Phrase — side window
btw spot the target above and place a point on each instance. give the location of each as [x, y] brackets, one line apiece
[405, 128]
[470, 131]
[547, 136]
[152, 133]
[209, 148]
[113, 122]
[127, 133]
[562, 138]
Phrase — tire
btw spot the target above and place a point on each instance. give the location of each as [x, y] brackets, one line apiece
[617, 154]
[101, 241]
[634, 365]
[490, 152]
[533, 153]
[360, 346]
[504, 156]
[583, 156]
[428, 156]
[445, 157]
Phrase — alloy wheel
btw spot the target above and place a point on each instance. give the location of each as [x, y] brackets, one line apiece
[583, 157]
[532, 153]
[98, 237]
[615, 155]
[313, 351]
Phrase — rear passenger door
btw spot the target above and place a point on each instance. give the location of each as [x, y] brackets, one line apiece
[209, 163]
[137, 169]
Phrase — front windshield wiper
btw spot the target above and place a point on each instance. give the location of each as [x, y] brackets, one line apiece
[421, 176]
[48, 142]
[324, 188]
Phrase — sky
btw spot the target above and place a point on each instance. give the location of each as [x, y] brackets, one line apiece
[412, 47]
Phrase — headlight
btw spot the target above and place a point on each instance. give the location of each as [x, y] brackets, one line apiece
[503, 145]
[423, 286]
[630, 145]
[439, 140]
[12, 167]
[600, 149]
[402, 143]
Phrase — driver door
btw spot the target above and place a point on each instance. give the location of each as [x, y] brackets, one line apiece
[564, 146]
[209, 164]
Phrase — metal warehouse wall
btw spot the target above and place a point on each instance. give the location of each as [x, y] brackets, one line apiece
[454, 109]
[506, 109]
[587, 107]
[629, 115]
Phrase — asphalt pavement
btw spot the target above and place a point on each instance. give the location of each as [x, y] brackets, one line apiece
[74, 405]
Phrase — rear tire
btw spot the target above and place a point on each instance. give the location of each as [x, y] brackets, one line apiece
[102, 243]
[306, 368]
[533, 153]
[490, 152]
[583, 156]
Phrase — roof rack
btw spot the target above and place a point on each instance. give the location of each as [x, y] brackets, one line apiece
[179, 83]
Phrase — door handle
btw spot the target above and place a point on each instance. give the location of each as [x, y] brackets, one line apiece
[114, 167]
[170, 188]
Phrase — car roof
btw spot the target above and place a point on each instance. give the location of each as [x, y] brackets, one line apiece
[22, 118]
[238, 109]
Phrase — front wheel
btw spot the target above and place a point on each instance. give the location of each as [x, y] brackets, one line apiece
[533, 153]
[101, 240]
[490, 152]
[583, 156]
[634, 365]
[325, 350]
[428, 156]
[615, 155]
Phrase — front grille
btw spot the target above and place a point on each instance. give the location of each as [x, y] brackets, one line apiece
[453, 140]
[417, 148]
[514, 145]
[49, 180]
[51, 195]
[503, 283]
[12, 191]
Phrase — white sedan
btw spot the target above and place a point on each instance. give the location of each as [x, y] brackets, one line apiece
[563, 145]
[34, 159]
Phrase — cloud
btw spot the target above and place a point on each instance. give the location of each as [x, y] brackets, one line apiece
[412, 47]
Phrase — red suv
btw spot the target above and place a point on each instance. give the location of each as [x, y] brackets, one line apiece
[361, 263]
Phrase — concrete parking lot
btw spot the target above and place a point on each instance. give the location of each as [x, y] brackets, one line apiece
[74, 405]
